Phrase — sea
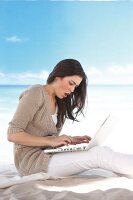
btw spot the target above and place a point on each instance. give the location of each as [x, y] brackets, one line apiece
[116, 100]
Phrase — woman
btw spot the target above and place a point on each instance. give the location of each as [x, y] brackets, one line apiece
[39, 118]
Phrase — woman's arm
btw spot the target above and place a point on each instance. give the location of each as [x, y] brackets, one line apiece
[27, 139]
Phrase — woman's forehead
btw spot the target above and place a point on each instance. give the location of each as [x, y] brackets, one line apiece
[75, 78]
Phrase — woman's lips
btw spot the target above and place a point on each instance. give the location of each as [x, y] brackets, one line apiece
[66, 94]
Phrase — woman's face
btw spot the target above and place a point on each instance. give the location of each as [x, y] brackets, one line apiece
[66, 85]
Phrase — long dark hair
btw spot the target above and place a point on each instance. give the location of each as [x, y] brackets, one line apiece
[73, 105]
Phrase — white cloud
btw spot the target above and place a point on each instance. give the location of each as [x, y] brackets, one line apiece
[94, 71]
[121, 70]
[23, 78]
[15, 39]
[2, 74]
[120, 75]
[111, 75]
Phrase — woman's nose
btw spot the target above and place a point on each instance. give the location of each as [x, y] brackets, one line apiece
[72, 88]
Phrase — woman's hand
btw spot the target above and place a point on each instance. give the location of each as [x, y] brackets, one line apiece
[59, 140]
[80, 139]
[66, 140]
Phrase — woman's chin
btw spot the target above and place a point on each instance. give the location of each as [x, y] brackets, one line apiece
[60, 96]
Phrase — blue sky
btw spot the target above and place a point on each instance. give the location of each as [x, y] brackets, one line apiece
[35, 35]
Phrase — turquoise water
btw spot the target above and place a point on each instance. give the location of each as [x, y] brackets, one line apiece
[9, 96]
[109, 99]
[98, 96]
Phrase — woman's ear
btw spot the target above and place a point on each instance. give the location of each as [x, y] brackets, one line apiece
[58, 78]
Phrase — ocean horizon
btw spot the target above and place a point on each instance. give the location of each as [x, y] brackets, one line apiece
[101, 100]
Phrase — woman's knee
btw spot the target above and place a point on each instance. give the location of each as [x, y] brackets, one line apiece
[100, 152]
[101, 149]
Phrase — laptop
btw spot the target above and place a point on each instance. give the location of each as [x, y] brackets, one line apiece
[101, 134]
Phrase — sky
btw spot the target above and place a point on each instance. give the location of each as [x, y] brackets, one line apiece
[35, 35]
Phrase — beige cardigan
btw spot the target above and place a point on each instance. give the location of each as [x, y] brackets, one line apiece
[32, 116]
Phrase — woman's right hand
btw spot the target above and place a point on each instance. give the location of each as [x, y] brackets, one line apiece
[59, 140]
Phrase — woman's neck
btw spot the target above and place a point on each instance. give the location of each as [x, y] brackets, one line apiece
[50, 91]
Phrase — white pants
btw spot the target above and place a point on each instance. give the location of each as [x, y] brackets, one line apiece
[70, 163]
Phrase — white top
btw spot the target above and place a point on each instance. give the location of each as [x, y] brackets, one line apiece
[54, 116]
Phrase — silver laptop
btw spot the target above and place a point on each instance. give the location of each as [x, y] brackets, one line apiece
[101, 134]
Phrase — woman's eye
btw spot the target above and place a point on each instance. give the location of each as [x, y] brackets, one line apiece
[71, 83]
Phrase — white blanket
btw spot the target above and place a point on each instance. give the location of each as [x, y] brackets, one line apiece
[42, 186]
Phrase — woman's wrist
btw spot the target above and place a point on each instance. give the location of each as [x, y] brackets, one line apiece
[47, 140]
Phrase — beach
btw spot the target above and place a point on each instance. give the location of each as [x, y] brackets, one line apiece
[102, 100]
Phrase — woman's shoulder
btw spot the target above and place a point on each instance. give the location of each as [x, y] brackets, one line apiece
[34, 91]
[36, 87]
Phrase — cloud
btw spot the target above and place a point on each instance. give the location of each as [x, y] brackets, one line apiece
[112, 75]
[15, 39]
[120, 75]
[2, 75]
[23, 78]
[121, 70]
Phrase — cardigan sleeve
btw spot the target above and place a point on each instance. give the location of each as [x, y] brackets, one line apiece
[29, 104]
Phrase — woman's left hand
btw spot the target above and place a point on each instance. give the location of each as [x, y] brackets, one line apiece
[80, 139]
